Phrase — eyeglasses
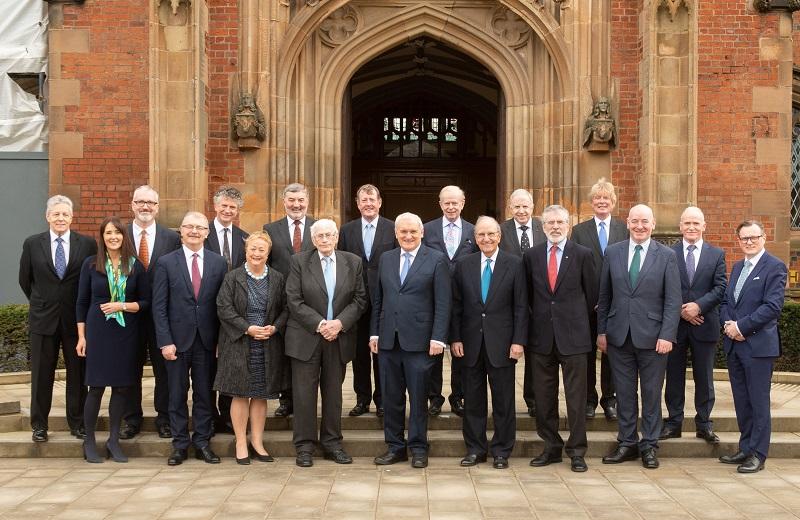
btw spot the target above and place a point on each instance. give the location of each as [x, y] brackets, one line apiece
[189, 227]
[150, 203]
[491, 234]
[750, 240]
[325, 236]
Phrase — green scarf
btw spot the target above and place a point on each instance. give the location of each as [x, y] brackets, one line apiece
[116, 286]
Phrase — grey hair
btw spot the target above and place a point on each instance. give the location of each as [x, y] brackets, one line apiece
[294, 187]
[58, 199]
[229, 192]
[484, 218]
[195, 214]
[556, 208]
[409, 216]
[145, 187]
[520, 192]
[323, 223]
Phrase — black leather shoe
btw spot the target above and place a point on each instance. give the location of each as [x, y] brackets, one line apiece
[206, 454]
[359, 409]
[339, 456]
[737, 458]
[390, 457]
[256, 455]
[304, 459]
[457, 407]
[708, 435]
[434, 410]
[472, 459]
[590, 411]
[419, 460]
[78, 433]
[128, 432]
[545, 459]
[177, 457]
[610, 412]
[670, 432]
[578, 464]
[752, 465]
[621, 454]
[164, 431]
[532, 410]
[500, 463]
[243, 462]
[39, 435]
[284, 410]
[649, 459]
[379, 411]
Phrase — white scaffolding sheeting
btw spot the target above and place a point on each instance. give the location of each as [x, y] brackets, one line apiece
[23, 49]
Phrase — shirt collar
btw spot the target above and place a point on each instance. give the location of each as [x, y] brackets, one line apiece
[137, 229]
[698, 245]
[756, 258]
[446, 223]
[364, 222]
[54, 236]
[607, 221]
[290, 220]
[188, 252]
[560, 244]
[518, 225]
[493, 257]
[332, 256]
[645, 245]
[413, 252]
[219, 226]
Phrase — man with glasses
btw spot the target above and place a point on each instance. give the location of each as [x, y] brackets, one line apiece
[749, 315]
[152, 241]
[185, 316]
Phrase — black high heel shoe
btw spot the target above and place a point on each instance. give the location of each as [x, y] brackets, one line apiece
[114, 451]
[90, 453]
[256, 455]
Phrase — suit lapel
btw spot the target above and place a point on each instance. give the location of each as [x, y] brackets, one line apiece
[184, 269]
[682, 264]
[422, 256]
[753, 274]
[213, 239]
[623, 264]
[596, 239]
[44, 242]
[702, 263]
[566, 263]
[498, 274]
[649, 260]
[315, 267]
[74, 252]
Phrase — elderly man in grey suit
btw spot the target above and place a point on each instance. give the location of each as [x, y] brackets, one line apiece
[637, 323]
[326, 296]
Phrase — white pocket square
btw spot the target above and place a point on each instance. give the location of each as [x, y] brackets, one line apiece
[756, 278]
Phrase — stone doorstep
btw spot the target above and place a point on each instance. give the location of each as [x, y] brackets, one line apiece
[9, 407]
[21, 378]
[371, 443]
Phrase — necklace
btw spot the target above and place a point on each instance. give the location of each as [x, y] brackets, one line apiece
[253, 276]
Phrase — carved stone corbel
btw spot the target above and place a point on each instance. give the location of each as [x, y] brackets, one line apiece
[174, 4]
[765, 6]
[248, 125]
[600, 130]
[673, 6]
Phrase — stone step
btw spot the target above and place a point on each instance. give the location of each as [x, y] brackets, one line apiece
[368, 443]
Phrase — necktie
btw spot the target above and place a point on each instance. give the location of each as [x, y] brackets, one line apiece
[690, 262]
[552, 268]
[369, 234]
[329, 284]
[742, 278]
[486, 280]
[61, 258]
[226, 247]
[195, 276]
[603, 237]
[636, 264]
[524, 242]
[144, 250]
[450, 240]
[406, 266]
[297, 240]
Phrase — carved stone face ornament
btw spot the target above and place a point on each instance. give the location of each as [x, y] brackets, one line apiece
[600, 130]
[248, 123]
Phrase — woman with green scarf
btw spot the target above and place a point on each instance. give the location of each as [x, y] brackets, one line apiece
[113, 289]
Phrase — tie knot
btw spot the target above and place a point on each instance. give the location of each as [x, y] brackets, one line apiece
[225, 230]
[554, 248]
[488, 261]
[691, 248]
[407, 256]
[59, 240]
[195, 255]
[602, 224]
[144, 233]
[524, 228]
[327, 259]
[296, 223]
[638, 247]
[748, 264]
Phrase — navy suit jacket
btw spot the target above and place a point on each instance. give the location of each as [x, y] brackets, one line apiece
[759, 306]
[418, 310]
[707, 290]
[237, 238]
[352, 241]
[649, 311]
[499, 322]
[434, 238]
[179, 317]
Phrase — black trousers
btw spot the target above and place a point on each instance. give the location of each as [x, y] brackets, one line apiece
[545, 368]
[322, 374]
[365, 366]
[435, 387]
[528, 388]
[703, 374]
[195, 362]
[44, 359]
[607, 396]
[501, 381]
[148, 348]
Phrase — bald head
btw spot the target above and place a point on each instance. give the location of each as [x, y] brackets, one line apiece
[692, 224]
[641, 223]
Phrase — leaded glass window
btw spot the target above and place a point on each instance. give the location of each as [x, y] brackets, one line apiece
[795, 216]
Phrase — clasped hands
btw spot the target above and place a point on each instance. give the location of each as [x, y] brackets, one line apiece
[731, 331]
[261, 333]
[691, 312]
[330, 329]
[111, 307]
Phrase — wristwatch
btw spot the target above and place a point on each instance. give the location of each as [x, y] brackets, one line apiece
[124, 306]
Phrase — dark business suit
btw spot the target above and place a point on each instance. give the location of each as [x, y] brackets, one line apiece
[585, 234]
[165, 241]
[487, 330]
[434, 238]
[351, 239]
[192, 326]
[406, 317]
[750, 362]
[633, 320]
[559, 336]
[51, 323]
[317, 364]
[707, 289]
[280, 257]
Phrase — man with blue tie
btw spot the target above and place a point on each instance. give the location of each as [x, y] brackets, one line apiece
[703, 283]
[749, 315]
[410, 320]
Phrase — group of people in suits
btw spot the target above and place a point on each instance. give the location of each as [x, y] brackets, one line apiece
[279, 314]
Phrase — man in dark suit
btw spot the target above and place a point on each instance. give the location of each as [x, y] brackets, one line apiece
[410, 320]
[521, 232]
[703, 283]
[597, 233]
[152, 241]
[326, 296]
[185, 317]
[49, 269]
[749, 315]
[562, 291]
[368, 237]
[488, 331]
[637, 322]
[289, 235]
[453, 236]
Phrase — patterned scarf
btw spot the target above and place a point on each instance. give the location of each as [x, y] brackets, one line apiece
[116, 287]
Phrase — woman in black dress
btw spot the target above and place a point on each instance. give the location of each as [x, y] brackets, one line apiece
[251, 305]
[113, 288]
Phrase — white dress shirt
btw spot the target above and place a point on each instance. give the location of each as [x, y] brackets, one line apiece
[290, 221]
[54, 245]
[333, 265]
[528, 232]
[607, 222]
[559, 252]
[457, 226]
[189, 254]
[151, 238]
[493, 258]
[221, 235]
[698, 245]
[631, 249]
[410, 260]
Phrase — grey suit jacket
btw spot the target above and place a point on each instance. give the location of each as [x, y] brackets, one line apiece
[281, 253]
[509, 242]
[649, 311]
[307, 299]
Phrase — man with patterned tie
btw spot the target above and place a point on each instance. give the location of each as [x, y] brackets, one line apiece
[597, 234]
[152, 241]
[521, 232]
[703, 283]
[637, 322]
[49, 269]
[749, 315]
